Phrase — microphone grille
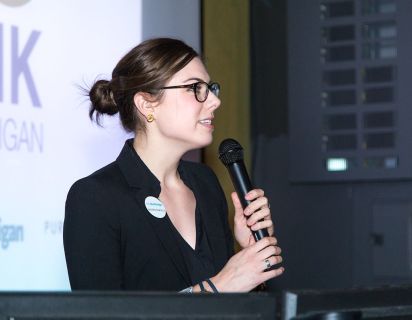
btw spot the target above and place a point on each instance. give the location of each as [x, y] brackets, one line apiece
[230, 151]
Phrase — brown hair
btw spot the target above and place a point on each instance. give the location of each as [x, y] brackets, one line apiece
[146, 67]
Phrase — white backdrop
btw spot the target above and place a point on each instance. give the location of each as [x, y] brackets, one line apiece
[47, 142]
[47, 49]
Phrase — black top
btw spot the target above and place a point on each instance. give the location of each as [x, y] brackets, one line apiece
[199, 261]
[112, 242]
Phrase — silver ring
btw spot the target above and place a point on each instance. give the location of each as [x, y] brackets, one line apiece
[268, 265]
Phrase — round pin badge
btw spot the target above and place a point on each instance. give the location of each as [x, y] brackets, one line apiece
[155, 207]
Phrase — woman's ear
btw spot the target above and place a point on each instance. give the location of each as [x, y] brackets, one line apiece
[144, 105]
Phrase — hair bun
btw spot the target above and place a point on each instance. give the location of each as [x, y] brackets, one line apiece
[101, 98]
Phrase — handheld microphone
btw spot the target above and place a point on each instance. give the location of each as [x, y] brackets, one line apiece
[231, 155]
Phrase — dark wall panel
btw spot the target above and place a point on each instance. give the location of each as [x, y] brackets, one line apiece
[343, 232]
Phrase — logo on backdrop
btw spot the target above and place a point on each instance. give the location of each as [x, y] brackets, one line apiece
[53, 227]
[17, 134]
[10, 233]
[14, 3]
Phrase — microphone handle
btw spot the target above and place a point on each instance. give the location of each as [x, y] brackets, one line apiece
[242, 184]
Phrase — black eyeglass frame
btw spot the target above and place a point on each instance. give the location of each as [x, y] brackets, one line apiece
[213, 86]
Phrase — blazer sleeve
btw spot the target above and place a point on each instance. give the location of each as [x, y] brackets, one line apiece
[91, 237]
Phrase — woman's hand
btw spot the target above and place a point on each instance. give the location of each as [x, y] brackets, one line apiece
[246, 269]
[248, 219]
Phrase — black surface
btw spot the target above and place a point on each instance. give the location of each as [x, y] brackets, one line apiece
[121, 305]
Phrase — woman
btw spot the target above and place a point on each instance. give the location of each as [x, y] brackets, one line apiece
[150, 221]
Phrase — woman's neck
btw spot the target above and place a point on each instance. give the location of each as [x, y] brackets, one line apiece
[161, 158]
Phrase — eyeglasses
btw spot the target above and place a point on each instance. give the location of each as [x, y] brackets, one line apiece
[201, 89]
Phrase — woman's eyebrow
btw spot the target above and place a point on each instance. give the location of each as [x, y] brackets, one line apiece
[196, 79]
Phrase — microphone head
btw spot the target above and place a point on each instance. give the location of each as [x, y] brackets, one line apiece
[230, 151]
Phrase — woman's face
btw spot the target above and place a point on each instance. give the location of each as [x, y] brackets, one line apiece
[179, 117]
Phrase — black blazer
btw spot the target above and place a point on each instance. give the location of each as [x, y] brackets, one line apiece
[112, 242]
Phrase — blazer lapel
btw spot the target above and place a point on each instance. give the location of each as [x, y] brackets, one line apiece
[143, 184]
[162, 229]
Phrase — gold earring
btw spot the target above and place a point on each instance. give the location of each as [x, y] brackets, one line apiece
[150, 117]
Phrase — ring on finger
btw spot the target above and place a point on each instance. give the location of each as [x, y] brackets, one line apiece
[268, 265]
